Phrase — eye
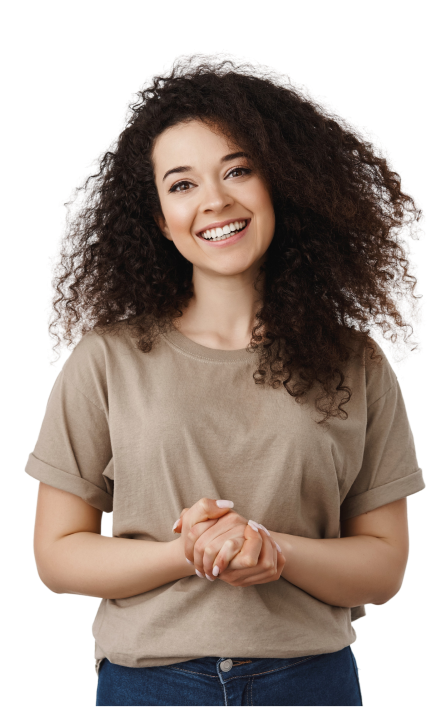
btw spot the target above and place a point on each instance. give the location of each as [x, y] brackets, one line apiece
[179, 184]
[174, 189]
[240, 169]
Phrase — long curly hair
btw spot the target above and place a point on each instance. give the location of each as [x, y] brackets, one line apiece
[336, 265]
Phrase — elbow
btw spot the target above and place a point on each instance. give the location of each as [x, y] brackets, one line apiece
[395, 578]
[389, 594]
[49, 583]
[47, 577]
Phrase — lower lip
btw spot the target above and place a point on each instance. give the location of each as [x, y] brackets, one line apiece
[227, 241]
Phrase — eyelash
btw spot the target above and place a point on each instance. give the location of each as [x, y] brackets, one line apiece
[173, 188]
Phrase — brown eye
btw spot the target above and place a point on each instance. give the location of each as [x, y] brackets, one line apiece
[240, 170]
[174, 186]
[174, 189]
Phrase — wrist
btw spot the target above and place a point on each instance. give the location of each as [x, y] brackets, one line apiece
[179, 559]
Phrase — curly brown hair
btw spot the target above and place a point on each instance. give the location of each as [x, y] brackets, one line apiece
[336, 263]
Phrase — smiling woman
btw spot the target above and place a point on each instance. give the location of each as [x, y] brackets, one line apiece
[223, 273]
[334, 268]
[149, 268]
[221, 218]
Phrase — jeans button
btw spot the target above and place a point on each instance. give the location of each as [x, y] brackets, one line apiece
[226, 665]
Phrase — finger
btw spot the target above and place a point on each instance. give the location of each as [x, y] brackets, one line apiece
[270, 577]
[232, 524]
[192, 536]
[204, 510]
[209, 544]
[216, 559]
[267, 566]
[177, 527]
[244, 576]
[249, 555]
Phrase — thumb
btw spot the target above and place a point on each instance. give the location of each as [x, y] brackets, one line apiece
[251, 548]
[253, 540]
[205, 509]
[251, 532]
[177, 527]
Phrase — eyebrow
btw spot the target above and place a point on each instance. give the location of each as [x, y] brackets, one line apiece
[227, 158]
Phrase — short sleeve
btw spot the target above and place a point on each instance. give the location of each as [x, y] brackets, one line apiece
[73, 450]
[389, 470]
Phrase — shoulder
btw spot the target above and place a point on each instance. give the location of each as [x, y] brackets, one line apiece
[369, 367]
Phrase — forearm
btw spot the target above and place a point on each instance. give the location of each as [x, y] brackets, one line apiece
[111, 568]
[341, 571]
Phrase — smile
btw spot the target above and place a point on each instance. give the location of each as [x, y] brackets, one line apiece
[224, 233]
[227, 239]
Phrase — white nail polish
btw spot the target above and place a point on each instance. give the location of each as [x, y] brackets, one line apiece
[225, 504]
[216, 570]
[199, 574]
[176, 524]
[277, 547]
[252, 524]
[191, 563]
[265, 529]
[208, 577]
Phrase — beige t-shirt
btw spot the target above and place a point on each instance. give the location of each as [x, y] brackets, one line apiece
[146, 435]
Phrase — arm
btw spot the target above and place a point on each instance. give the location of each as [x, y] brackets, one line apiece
[112, 568]
[72, 556]
[366, 565]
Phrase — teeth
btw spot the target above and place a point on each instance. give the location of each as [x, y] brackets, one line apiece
[225, 232]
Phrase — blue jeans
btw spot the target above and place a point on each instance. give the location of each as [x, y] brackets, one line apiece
[325, 679]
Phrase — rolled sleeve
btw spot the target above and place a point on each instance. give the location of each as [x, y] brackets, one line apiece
[390, 470]
[73, 450]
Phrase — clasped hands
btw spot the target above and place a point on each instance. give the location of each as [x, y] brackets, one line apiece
[222, 544]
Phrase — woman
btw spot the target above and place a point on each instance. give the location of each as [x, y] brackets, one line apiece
[235, 247]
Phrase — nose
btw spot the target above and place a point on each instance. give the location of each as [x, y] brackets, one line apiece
[215, 197]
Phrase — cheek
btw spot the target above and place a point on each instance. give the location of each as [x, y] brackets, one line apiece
[181, 221]
[262, 204]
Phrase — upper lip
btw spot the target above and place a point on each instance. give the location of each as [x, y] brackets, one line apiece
[221, 224]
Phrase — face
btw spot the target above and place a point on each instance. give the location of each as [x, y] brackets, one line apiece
[216, 209]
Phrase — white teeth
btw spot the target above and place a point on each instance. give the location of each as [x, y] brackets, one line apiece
[222, 233]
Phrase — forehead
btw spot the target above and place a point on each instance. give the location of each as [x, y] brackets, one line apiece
[189, 143]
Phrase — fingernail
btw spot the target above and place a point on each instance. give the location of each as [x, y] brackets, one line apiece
[252, 524]
[225, 504]
[264, 528]
[191, 563]
[176, 524]
[208, 577]
[216, 570]
[199, 574]
[277, 547]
